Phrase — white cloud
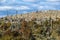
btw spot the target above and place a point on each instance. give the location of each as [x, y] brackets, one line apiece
[50, 3]
[8, 1]
[5, 7]
[2, 0]
[40, 7]
[12, 7]
[34, 5]
[53, 0]
[13, 0]
[22, 8]
[46, 7]
[55, 3]
[29, 0]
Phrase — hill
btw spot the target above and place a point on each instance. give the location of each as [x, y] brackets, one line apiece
[40, 14]
[39, 25]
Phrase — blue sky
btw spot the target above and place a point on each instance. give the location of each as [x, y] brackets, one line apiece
[24, 6]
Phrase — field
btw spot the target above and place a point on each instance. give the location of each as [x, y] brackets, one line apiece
[39, 25]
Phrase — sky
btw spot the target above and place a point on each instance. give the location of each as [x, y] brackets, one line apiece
[24, 6]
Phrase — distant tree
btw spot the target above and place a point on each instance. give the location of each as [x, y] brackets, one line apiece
[37, 11]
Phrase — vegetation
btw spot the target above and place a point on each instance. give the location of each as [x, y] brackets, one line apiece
[20, 29]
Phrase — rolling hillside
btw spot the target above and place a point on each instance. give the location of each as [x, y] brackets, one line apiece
[40, 14]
